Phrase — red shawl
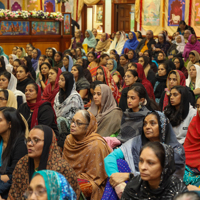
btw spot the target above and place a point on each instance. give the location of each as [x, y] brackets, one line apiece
[48, 94]
[191, 145]
[35, 107]
[181, 81]
[146, 83]
[109, 81]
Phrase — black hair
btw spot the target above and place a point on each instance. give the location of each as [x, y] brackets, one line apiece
[21, 49]
[177, 116]
[146, 61]
[104, 55]
[60, 54]
[67, 51]
[45, 63]
[169, 65]
[80, 70]
[54, 52]
[104, 81]
[114, 51]
[134, 73]
[94, 55]
[55, 69]
[6, 74]
[191, 53]
[125, 56]
[158, 149]
[26, 69]
[182, 22]
[3, 68]
[50, 61]
[133, 64]
[17, 130]
[140, 35]
[69, 83]
[79, 45]
[117, 57]
[141, 91]
[73, 56]
[18, 60]
[6, 94]
[35, 86]
[44, 56]
[181, 62]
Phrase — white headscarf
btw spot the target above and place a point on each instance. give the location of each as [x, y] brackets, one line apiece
[119, 46]
[9, 67]
[197, 83]
[180, 46]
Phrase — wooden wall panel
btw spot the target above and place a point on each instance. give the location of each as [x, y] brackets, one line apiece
[7, 47]
[43, 45]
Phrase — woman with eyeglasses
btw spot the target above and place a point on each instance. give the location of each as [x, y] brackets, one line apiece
[44, 182]
[37, 111]
[85, 150]
[12, 146]
[179, 63]
[43, 153]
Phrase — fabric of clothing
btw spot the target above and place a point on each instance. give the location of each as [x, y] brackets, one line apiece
[91, 40]
[187, 27]
[196, 61]
[103, 46]
[9, 67]
[11, 102]
[131, 44]
[50, 160]
[58, 64]
[21, 85]
[35, 61]
[191, 176]
[163, 46]
[50, 94]
[189, 47]
[180, 46]
[2, 53]
[82, 84]
[131, 125]
[117, 44]
[29, 65]
[23, 53]
[70, 65]
[138, 189]
[142, 44]
[182, 67]
[69, 106]
[56, 185]
[86, 157]
[109, 117]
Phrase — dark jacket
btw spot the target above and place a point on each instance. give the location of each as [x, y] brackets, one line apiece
[151, 77]
[22, 84]
[46, 115]
[187, 28]
[73, 24]
[123, 100]
[142, 43]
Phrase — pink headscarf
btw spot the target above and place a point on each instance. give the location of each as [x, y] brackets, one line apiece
[189, 47]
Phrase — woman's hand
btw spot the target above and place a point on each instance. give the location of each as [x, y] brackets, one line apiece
[118, 178]
[196, 91]
[119, 189]
[192, 188]
[40, 76]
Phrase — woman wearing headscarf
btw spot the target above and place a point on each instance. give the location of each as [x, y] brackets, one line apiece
[52, 52]
[9, 81]
[90, 39]
[86, 153]
[58, 59]
[164, 185]
[112, 67]
[179, 63]
[51, 181]
[174, 78]
[193, 81]
[118, 43]
[37, 111]
[52, 88]
[7, 99]
[153, 63]
[104, 44]
[67, 100]
[36, 53]
[27, 62]
[130, 150]
[21, 52]
[179, 112]
[176, 50]
[102, 74]
[192, 148]
[77, 39]
[43, 153]
[193, 44]
[132, 56]
[67, 63]
[131, 43]
[9, 66]
[105, 110]
[2, 53]
[194, 58]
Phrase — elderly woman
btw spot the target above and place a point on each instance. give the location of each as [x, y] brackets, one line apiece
[85, 150]
[90, 39]
[104, 44]
[105, 109]
[76, 39]
[43, 153]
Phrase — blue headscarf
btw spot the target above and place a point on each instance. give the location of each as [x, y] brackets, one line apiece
[35, 61]
[56, 185]
[91, 41]
[70, 65]
[114, 67]
[134, 59]
[131, 44]
[2, 53]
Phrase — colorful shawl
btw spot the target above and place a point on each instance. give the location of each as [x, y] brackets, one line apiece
[87, 157]
[181, 81]
[56, 185]
[189, 47]
[103, 46]
[50, 159]
[91, 41]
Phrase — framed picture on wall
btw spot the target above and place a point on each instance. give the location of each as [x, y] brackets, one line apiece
[99, 14]
[67, 24]
[14, 28]
[45, 28]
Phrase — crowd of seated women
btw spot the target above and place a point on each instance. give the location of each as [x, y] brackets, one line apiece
[112, 117]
